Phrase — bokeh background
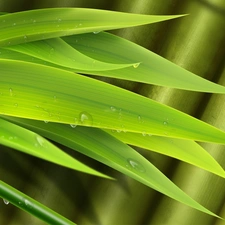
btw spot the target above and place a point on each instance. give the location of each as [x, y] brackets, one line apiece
[195, 42]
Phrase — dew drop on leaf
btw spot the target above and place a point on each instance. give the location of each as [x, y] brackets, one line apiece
[136, 65]
[86, 119]
[165, 123]
[73, 125]
[113, 109]
[28, 203]
[52, 50]
[10, 91]
[136, 165]
[41, 142]
[96, 32]
[6, 201]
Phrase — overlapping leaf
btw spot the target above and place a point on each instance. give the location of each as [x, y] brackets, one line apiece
[21, 27]
[58, 52]
[101, 146]
[61, 96]
[28, 142]
[185, 150]
[153, 69]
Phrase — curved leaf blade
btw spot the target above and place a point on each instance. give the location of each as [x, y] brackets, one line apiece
[103, 147]
[56, 95]
[58, 52]
[153, 69]
[184, 150]
[28, 142]
[55, 22]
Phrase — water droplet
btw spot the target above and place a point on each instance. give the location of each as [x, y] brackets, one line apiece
[52, 50]
[34, 21]
[6, 201]
[80, 24]
[14, 24]
[113, 109]
[16, 105]
[25, 38]
[96, 32]
[46, 121]
[59, 20]
[86, 119]
[41, 142]
[144, 134]
[55, 98]
[10, 91]
[136, 165]
[28, 203]
[136, 65]
[165, 123]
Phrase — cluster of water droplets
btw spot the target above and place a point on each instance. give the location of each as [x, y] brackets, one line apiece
[25, 203]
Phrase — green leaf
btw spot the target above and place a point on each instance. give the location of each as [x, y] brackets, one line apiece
[101, 146]
[26, 26]
[31, 206]
[58, 52]
[21, 139]
[56, 95]
[153, 68]
[185, 150]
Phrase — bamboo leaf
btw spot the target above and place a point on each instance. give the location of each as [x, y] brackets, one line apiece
[58, 52]
[55, 22]
[24, 202]
[21, 139]
[153, 69]
[185, 150]
[101, 146]
[56, 95]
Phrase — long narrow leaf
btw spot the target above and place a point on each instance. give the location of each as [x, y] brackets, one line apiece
[55, 22]
[185, 150]
[101, 146]
[28, 142]
[52, 94]
[153, 68]
[31, 206]
[60, 53]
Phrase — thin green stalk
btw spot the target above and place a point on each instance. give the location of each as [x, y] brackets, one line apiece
[20, 200]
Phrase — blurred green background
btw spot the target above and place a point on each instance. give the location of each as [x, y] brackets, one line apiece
[197, 43]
